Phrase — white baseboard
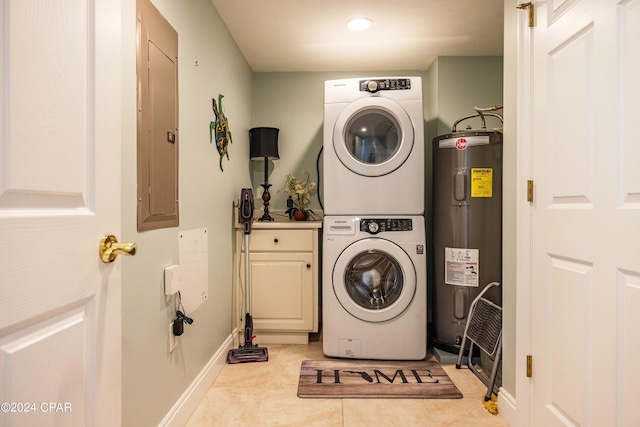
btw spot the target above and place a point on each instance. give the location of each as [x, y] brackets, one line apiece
[507, 407]
[188, 402]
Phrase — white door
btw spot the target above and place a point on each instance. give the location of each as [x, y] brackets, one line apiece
[59, 194]
[585, 273]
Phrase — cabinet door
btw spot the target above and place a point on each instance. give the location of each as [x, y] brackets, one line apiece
[281, 291]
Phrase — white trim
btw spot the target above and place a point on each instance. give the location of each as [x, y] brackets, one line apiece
[507, 407]
[524, 215]
[184, 407]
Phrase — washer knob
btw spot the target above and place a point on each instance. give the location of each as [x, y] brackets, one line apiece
[373, 227]
[372, 86]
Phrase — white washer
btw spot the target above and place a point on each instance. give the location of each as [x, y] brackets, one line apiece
[373, 146]
[374, 287]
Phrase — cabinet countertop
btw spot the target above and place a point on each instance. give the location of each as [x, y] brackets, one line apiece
[281, 220]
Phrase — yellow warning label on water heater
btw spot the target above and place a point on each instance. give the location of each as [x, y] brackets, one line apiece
[481, 182]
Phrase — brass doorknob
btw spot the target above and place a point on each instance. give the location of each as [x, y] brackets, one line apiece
[110, 248]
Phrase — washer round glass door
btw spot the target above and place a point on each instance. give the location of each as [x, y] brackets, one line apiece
[374, 280]
[373, 136]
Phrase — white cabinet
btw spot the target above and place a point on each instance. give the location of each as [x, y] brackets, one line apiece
[283, 269]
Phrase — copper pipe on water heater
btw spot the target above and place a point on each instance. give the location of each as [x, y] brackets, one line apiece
[480, 112]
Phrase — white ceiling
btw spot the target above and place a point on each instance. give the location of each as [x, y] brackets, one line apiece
[311, 35]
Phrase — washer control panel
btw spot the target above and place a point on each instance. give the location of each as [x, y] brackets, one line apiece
[375, 226]
[375, 85]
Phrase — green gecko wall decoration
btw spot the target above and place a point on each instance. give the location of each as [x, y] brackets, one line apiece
[220, 128]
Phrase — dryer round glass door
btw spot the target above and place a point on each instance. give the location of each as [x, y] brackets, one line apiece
[374, 280]
[373, 136]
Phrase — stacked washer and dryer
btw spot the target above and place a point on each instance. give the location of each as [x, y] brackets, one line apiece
[374, 284]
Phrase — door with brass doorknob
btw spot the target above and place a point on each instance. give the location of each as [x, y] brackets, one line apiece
[60, 192]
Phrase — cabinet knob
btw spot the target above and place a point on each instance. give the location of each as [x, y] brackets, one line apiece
[308, 266]
[275, 240]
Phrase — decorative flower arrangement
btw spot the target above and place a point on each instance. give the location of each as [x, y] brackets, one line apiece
[300, 192]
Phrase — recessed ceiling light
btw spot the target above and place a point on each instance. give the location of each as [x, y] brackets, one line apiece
[359, 24]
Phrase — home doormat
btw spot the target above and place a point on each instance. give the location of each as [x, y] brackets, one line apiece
[371, 379]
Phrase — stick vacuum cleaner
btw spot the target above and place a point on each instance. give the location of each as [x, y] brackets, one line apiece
[248, 352]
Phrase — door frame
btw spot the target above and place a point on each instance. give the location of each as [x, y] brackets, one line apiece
[524, 214]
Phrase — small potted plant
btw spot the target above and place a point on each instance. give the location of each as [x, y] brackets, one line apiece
[300, 192]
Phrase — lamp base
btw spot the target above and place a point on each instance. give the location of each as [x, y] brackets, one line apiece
[266, 196]
[266, 217]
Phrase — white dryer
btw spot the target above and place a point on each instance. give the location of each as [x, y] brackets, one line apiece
[373, 146]
[374, 287]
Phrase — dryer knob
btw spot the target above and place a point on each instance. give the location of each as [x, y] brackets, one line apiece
[372, 86]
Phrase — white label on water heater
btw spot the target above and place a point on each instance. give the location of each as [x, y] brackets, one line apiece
[461, 266]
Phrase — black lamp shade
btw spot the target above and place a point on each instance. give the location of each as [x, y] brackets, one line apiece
[263, 143]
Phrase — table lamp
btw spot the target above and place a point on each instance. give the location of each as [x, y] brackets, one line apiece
[264, 145]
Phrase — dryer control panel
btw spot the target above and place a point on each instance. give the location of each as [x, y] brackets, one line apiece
[375, 226]
[375, 85]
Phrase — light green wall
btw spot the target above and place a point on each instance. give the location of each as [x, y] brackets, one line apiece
[464, 83]
[152, 378]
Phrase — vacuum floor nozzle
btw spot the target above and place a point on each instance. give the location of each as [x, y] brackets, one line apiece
[248, 354]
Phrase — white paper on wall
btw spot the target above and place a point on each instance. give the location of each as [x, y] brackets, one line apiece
[194, 264]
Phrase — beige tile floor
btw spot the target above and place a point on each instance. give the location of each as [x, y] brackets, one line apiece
[265, 394]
